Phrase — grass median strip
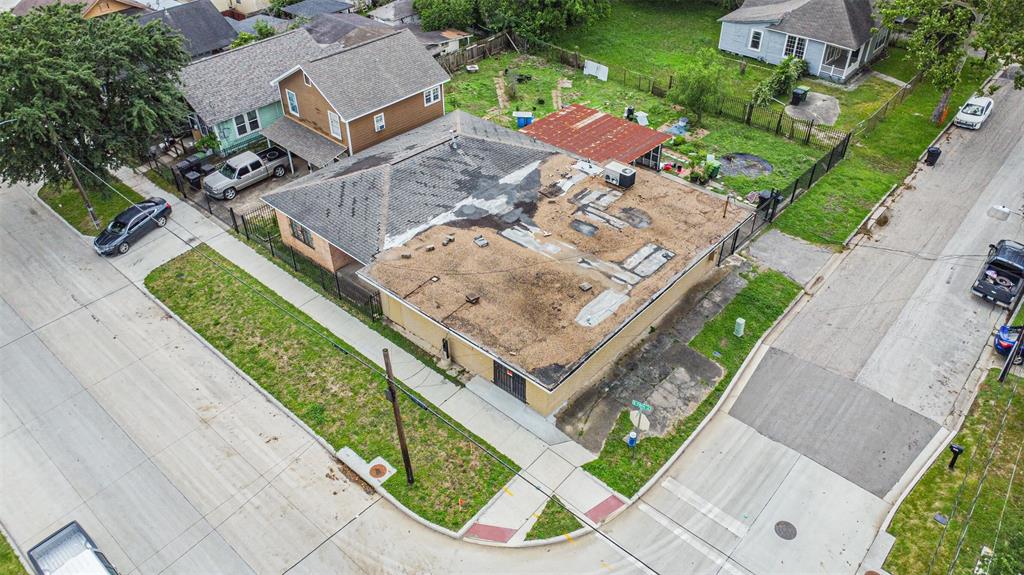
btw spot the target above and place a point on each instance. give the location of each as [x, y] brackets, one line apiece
[554, 521]
[997, 521]
[9, 562]
[339, 398]
[66, 200]
[766, 296]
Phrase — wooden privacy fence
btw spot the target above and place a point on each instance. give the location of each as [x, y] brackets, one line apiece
[485, 48]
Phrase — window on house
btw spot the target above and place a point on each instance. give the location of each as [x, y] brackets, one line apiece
[432, 95]
[335, 122]
[755, 40]
[293, 102]
[247, 122]
[378, 122]
[300, 232]
[795, 46]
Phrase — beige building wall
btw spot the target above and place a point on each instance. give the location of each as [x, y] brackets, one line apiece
[313, 107]
[399, 117]
[104, 7]
[322, 252]
[537, 397]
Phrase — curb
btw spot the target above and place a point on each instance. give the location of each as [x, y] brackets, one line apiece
[21, 555]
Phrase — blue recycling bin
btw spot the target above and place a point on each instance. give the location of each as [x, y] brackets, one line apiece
[523, 121]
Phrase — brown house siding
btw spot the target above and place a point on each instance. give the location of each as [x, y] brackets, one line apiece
[399, 117]
[104, 7]
[313, 106]
[323, 253]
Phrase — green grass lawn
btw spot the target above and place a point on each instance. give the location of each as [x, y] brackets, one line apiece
[914, 526]
[66, 200]
[767, 294]
[9, 562]
[161, 181]
[835, 205]
[858, 104]
[554, 521]
[337, 396]
[897, 64]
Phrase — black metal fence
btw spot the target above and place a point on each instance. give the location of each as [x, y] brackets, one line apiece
[172, 181]
[260, 226]
[880, 114]
[779, 200]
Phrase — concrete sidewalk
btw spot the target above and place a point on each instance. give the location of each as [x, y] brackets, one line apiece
[550, 460]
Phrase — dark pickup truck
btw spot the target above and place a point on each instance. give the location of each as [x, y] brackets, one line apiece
[1002, 277]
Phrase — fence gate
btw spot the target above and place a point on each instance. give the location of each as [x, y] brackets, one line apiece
[510, 381]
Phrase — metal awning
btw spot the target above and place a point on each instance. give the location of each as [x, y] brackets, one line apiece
[316, 149]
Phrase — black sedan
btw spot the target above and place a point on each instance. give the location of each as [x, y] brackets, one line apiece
[130, 225]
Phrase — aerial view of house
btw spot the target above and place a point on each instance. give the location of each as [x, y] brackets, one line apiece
[200, 24]
[90, 9]
[834, 37]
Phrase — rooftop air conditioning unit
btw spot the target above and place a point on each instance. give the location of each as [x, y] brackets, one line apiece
[619, 174]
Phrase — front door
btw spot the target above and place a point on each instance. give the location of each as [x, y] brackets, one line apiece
[510, 381]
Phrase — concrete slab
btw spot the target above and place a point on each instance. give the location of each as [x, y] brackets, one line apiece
[794, 257]
[574, 453]
[722, 482]
[144, 512]
[145, 408]
[32, 381]
[269, 533]
[315, 485]
[517, 503]
[267, 273]
[550, 470]
[9, 421]
[211, 555]
[33, 493]
[438, 393]
[518, 411]
[96, 352]
[582, 491]
[495, 427]
[327, 558]
[849, 429]
[150, 253]
[138, 323]
[823, 544]
[86, 444]
[665, 546]
[206, 469]
[11, 325]
[262, 434]
[199, 378]
[188, 539]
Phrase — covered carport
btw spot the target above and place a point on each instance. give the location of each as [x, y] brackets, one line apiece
[298, 140]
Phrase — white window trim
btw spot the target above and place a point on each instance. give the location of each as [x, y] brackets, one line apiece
[381, 127]
[432, 96]
[796, 42]
[306, 80]
[760, 40]
[289, 96]
[330, 125]
[245, 122]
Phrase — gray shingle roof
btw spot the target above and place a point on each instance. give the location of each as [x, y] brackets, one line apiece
[345, 29]
[227, 84]
[311, 8]
[248, 25]
[393, 11]
[310, 145]
[845, 23]
[371, 75]
[199, 22]
[398, 186]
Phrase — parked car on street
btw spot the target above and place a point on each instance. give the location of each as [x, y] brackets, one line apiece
[1005, 339]
[244, 170]
[130, 225]
[69, 551]
[974, 113]
[1002, 277]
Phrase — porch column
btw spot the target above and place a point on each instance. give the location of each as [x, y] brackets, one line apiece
[291, 167]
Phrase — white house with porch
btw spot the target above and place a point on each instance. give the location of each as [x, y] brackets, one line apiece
[835, 37]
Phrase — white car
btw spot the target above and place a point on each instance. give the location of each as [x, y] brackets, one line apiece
[974, 113]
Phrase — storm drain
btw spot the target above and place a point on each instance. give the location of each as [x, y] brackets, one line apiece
[786, 530]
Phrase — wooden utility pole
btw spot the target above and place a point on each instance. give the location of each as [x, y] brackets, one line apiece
[393, 396]
[74, 178]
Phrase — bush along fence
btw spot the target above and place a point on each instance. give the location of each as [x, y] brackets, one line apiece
[773, 202]
[260, 226]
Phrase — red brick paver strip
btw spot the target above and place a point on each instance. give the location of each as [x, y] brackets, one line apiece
[490, 532]
[603, 509]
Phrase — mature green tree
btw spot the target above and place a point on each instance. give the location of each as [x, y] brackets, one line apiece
[94, 90]
[700, 84]
[944, 32]
[442, 14]
[261, 30]
[534, 17]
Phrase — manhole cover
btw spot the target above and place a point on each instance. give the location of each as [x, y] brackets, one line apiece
[786, 530]
[872, 573]
[380, 470]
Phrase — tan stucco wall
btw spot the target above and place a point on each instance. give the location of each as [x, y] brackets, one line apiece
[537, 397]
[313, 107]
[322, 252]
[398, 118]
[104, 7]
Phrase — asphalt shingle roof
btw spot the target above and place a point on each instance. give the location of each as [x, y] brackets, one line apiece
[845, 23]
[199, 22]
[400, 185]
[345, 29]
[311, 146]
[249, 24]
[311, 8]
[227, 84]
[393, 11]
[374, 74]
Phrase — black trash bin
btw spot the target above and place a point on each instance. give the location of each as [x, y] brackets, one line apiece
[194, 179]
[799, 95]
[932, 156]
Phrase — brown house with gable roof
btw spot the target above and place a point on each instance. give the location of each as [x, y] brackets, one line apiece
[347, 101]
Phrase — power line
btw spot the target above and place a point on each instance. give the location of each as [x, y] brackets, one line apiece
[374, 369]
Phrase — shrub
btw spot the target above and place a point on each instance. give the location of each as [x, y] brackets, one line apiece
[780, 82]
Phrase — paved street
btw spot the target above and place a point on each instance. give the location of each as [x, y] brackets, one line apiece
[114, 415]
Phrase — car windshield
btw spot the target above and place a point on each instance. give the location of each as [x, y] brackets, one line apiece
[227, 171]
[972, 110]
[116, 227]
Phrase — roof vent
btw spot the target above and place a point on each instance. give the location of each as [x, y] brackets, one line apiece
[481, 241]
[455, 140]
[472, 298]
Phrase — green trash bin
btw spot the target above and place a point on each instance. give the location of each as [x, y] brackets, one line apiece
[713, 169]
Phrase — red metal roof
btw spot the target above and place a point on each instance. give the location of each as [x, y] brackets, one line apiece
[595, 135]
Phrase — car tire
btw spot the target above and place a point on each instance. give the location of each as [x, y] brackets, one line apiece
[161, 221]
[279, 171]
[123, 248]
[230, 193]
